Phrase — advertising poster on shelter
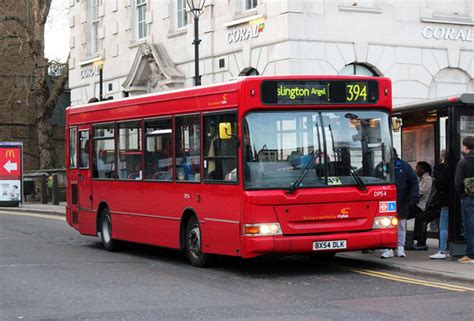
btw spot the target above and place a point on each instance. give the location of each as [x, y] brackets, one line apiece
[10, 190]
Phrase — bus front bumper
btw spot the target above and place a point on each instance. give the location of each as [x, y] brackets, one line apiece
[252, 246]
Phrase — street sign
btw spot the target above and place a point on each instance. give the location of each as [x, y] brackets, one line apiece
[10, 173]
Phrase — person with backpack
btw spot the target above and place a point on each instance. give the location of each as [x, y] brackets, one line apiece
[464, 184]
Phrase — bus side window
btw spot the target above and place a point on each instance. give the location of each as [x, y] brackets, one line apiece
[159, 150]
[130, 150]
[73, 147]
[220, 155]
[188, 149]
[103, 155]
[84, 149]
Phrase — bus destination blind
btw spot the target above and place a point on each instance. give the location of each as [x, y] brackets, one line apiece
[290, 92]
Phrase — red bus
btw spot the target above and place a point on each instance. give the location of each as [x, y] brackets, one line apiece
[291, 164]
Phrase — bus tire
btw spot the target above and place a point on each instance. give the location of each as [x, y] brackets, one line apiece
[105, 232]
[193, 245]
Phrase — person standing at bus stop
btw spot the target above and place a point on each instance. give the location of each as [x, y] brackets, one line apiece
[406, 182]
[464, 184]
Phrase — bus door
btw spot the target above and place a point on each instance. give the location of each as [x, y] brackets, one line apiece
[460, 124]
[85, 172]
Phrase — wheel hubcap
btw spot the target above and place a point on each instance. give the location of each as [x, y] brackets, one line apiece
[106, 229]
[194, 241]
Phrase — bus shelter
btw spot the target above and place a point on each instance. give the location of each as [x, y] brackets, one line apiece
[430, 126]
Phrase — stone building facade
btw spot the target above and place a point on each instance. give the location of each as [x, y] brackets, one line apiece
[425, 47]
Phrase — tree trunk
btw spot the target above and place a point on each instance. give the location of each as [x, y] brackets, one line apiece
[45, 133]
[28, 34]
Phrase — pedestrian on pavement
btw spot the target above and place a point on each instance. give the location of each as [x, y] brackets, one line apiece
[436, 207]
[425, 182]
[464, 184]
[441, 185]
[406, 182]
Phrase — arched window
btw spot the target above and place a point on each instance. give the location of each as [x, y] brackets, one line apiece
[358, 69]
[249, 71]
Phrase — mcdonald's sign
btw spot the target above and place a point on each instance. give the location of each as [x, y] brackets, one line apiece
[10, 161]
[9, 153]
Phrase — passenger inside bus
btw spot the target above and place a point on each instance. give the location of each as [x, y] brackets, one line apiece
[104, 167]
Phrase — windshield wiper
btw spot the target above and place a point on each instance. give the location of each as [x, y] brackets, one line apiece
[294, 185]
[355, 175]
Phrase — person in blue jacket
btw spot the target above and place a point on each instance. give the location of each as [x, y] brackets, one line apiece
[406, 182]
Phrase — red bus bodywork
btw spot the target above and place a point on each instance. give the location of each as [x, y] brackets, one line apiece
[154, 212]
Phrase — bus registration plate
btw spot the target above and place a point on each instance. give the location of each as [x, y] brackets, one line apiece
[329, 245]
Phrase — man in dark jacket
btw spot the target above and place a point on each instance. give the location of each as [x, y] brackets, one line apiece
[407, 195]
[465, 169]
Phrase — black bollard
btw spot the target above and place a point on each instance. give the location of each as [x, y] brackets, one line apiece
[55, 198]
[44, 189]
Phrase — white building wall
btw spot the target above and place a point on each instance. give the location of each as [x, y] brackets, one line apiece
[299, 37]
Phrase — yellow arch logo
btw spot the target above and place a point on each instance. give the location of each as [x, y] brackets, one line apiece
[9, 153]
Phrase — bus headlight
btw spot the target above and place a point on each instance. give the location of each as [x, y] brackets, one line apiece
[384, 222]
[263, 229]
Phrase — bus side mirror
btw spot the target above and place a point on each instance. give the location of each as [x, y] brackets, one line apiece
[396, 124]
[225, 131]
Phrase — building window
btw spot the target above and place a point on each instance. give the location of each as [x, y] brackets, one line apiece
[181, 18]
[93, 13]
[140, 9]
[358, 69]
[248, 4]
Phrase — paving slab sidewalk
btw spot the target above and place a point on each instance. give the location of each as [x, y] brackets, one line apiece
[419, 263]
[38, 208]
[415, 263]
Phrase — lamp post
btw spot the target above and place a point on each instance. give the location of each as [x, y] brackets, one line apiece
[100, 65]
[197, 8]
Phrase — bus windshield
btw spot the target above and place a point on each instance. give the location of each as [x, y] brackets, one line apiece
[316, 148]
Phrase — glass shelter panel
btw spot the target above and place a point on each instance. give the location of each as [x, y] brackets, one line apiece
[418, 144]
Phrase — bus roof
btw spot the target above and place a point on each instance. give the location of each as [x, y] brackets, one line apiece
[226, 87]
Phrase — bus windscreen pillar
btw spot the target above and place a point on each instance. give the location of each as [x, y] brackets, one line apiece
[11, 158]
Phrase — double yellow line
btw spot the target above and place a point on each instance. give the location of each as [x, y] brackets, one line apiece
[398, 278]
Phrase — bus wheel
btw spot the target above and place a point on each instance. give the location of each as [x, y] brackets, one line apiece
[105, 232]
[194, 245]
